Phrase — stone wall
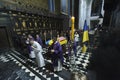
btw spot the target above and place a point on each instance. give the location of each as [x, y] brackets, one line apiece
[112, 14]
[27, 3]
[57, 6]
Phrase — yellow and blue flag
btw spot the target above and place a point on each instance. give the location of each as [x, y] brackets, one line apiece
[85, 37]
[85, 33]
[49, 42]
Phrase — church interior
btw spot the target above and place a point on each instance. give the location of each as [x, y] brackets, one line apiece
[59, 40]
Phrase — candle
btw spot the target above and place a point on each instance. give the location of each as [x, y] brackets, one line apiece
[72, 27]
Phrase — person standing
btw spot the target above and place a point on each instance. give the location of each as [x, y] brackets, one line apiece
[77, 38]
[57, 56]
[23, 44]
[39, 40]
[75, 47]
[30, 50]
[68, 36]
[38, 53]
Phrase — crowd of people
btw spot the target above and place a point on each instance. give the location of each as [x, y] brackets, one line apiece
[106, 51]
[32, 46]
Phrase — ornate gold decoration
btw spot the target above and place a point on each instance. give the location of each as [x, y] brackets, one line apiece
[16, 24]
[24, 24]
[30, 24]
[35, 24]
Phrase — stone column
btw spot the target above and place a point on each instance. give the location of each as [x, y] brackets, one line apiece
[102, 10]
[88, 14]
[84, 12]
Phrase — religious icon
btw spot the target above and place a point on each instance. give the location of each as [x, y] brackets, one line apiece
[24, 24]
[18, 32]
[44, 24]
[30, 24]
[16, 24]
[35, 24]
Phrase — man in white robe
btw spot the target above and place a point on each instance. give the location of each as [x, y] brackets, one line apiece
[38, 53]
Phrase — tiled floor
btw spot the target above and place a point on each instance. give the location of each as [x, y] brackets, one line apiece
[9, 69]
[14, 66]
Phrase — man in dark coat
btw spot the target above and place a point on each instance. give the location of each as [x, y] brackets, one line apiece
[57, 55]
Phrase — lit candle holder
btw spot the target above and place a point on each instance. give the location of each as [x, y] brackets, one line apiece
[72, 27]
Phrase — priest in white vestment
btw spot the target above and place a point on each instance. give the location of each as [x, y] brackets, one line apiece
[38, 53]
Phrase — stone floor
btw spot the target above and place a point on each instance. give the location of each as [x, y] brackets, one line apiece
[9, 69]
[14, 66]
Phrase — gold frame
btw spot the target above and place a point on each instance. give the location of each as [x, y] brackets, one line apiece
[23, 24]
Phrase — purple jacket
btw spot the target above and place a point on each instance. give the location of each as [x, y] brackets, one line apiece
[57, 54]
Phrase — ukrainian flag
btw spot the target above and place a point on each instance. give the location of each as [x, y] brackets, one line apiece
[85, 37]
[49, 42]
